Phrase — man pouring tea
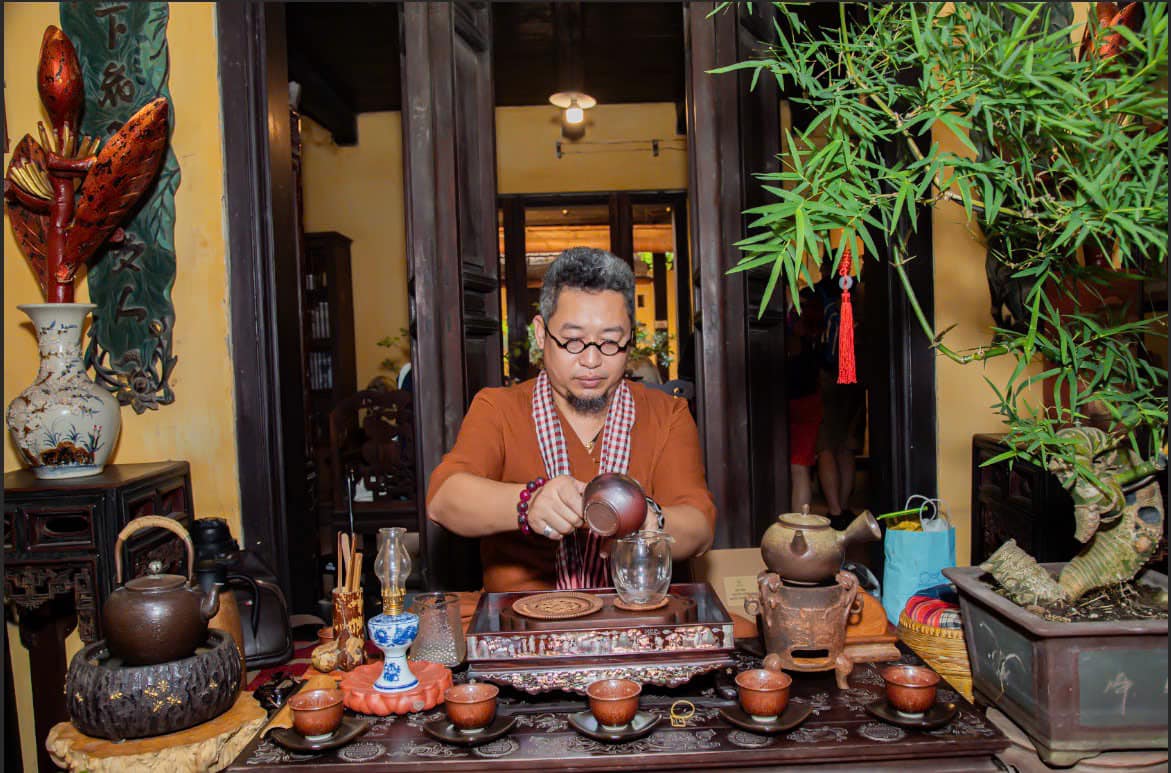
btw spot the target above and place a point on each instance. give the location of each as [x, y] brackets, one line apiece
[524, 454]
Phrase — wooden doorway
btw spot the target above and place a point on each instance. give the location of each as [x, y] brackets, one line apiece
[647, 229]
[449, 152]
[734, 132]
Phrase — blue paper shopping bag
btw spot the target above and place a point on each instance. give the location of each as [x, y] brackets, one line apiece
[914, 560]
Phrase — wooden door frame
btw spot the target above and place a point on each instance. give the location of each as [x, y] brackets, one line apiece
[264, 298]
[621, 205]
[902, 408]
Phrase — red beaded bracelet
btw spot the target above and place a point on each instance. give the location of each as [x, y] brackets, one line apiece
[522, 506]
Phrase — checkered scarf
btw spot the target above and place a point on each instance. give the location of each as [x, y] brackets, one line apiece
[579, 561]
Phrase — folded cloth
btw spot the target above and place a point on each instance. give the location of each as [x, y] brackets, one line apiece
[937, 607]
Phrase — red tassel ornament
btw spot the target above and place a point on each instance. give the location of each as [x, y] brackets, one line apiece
[846, 367]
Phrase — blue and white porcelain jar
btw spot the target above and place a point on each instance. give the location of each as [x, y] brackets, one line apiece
[64, 425]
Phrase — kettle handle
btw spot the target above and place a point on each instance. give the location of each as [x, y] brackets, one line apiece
[146, 522]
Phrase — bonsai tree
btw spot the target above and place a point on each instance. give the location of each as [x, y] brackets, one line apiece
[1064, 173]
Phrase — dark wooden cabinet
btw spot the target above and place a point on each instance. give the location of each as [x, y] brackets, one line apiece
[1028, 504]
[59, 559]
[330, 361]
[1025, 503]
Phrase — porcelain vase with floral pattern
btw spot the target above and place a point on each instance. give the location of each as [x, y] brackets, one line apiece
[64, 425]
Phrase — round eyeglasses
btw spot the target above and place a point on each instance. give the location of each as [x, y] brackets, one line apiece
[577, 346]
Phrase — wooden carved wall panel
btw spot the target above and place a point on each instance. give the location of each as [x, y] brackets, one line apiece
[125, 64]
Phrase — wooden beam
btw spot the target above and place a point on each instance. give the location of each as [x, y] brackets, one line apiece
[320, 99]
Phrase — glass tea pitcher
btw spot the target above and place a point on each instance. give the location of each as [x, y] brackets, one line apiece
[640, 566]
[441, 635]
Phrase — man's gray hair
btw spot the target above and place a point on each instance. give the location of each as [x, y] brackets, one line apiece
[589, 269]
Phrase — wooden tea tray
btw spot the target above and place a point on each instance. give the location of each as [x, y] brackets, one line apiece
[691, 635]
[678, 610]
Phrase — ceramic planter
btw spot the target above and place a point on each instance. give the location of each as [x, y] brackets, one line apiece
[64, 425]
[1077, 689]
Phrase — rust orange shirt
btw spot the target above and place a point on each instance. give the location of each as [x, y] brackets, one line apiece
[498, 441]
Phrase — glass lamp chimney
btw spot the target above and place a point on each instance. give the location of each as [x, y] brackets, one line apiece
[392, 567]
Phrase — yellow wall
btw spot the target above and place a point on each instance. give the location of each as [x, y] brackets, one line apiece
[358, 191]
[200, 426]
[526, 160]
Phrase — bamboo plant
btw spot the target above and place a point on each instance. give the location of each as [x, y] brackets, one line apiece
[1063, 171]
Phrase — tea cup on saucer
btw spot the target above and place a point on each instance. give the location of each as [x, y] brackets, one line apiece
[764, 693]
[317, 713]
[471, 707]
[910, 690]
[614, 702]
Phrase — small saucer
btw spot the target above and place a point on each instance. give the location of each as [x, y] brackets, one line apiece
[793, 715]
[587, 724]
[442, 729]
[620, 604]
[348, 730]
[936, 716]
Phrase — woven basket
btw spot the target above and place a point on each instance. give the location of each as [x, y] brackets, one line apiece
[941, 648]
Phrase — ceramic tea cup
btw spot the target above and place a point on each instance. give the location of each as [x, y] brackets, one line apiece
[471, 707]
[317, 713]
[614, 702]
[910, 689]
[764, 693]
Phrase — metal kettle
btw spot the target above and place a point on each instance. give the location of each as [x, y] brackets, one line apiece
[803, 548]
[156, 618]
[212, 576]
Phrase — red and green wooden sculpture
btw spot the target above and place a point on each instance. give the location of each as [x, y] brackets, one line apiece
[67, 195]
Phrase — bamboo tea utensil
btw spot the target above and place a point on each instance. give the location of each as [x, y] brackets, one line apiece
[356, 572]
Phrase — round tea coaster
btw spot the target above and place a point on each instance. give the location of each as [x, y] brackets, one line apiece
[620, 604]
[557, 606]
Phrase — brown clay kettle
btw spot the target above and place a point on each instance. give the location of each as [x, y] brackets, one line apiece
[804, 549]
[156, 618]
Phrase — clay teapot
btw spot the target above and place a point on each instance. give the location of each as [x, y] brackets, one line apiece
[156, 618]
[614, 505]
[803, 549]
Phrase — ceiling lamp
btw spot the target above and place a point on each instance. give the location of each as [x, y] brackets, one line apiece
[573, 104]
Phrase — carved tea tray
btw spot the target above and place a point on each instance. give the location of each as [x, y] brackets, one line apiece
[690, 635]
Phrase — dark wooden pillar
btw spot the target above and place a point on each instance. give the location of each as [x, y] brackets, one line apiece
[622, 226]
[264, 289]
[516, 284]
[722, 345]
[450, 175]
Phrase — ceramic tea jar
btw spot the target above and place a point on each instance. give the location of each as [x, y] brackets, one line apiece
[156, 618]
[803, 548]
[64, 425]
[614, 505]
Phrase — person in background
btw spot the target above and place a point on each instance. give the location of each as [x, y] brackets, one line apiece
[843, 425]
[524, 453]
[802, 355]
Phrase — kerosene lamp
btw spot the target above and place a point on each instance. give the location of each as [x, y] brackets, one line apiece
[393, 630]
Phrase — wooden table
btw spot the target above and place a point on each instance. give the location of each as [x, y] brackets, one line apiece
[839, 735]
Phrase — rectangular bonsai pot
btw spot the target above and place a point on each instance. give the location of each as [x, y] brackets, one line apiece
[1077, 689]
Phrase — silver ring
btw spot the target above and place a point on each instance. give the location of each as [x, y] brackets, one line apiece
[548, 531]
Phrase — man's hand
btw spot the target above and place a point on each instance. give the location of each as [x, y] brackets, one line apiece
[555, 510]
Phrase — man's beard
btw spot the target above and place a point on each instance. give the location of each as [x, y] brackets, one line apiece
[589, 405]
